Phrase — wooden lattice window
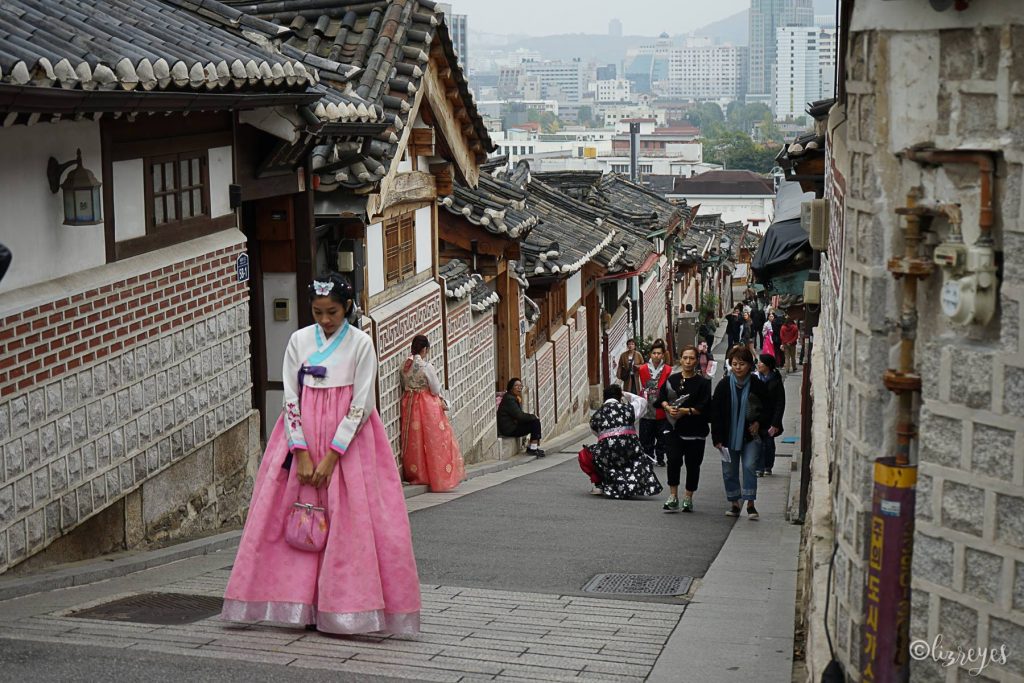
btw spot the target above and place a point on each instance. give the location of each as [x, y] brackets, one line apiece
[399, 248]
[177, 189]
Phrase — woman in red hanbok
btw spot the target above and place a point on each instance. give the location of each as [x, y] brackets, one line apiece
[430, 452]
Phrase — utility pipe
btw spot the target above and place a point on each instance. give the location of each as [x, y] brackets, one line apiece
[985, 161]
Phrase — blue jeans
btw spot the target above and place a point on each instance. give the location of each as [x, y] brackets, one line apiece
[767, 453]
[748, 457]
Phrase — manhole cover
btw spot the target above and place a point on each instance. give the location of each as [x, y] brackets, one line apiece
[638, 584]
[165, 609]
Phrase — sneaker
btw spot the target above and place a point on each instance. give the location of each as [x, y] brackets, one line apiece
[536, 452]
[734, 511]
[752, 512]
[760, 473]
[671, 505]
[687, 504]
[597, 491]
[768, 473]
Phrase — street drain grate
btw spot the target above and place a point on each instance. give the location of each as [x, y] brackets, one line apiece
[165, 609]
[638, 584]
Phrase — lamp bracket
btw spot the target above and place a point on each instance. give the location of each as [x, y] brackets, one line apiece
[55, 169]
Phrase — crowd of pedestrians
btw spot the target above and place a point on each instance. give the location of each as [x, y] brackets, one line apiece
[661, 416]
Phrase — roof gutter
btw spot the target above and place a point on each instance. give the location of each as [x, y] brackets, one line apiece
[644, 267]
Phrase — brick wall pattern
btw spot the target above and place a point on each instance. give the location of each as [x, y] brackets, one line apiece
[105, 388]
[546, 385]
[563, 373]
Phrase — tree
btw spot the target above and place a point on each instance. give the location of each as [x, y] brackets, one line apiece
[736, 150]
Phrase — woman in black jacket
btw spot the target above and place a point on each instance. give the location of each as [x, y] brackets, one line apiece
[737, 413]
[767, 372]
[513, 421]
[685, 396]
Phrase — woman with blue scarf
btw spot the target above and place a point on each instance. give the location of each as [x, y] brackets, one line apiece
[737, 410]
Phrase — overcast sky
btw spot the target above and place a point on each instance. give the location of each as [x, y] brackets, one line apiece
[638, 17]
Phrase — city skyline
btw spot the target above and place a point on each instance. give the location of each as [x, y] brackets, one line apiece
[642, 17]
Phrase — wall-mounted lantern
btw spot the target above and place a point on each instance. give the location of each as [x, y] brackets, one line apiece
[82, 205]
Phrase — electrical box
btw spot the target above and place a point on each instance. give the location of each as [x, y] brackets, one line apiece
[812, 292]
[346, 261]
[814, 219]
[282, 310]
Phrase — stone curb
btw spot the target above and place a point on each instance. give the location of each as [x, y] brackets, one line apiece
[114, 566]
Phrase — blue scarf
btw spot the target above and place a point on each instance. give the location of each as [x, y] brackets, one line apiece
[738, 421]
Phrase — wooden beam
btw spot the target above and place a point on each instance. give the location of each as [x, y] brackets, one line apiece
[462, 234]
[442, 178]
[507, 315]
[421, 143]
[434, 90]
[410, 187]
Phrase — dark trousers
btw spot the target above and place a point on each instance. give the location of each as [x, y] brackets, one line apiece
[531, 427]
[651, 438]
[688, 451]
[767, 452]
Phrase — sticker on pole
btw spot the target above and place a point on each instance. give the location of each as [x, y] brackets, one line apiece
[890, 508]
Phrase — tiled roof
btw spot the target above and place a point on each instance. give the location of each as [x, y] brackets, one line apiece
[724, 183]
[140, 45]
[374, 54]
[495, 205]
[646, 210]
[460, 282]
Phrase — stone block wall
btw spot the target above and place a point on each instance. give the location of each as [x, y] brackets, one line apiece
[469, 341]
[950, 87]
[107, 388]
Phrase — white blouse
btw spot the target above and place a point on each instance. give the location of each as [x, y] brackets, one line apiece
[349, 360]
[639, 404]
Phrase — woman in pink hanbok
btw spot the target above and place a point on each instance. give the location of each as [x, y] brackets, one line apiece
[328, 449]
[768, 333]
[430, 453]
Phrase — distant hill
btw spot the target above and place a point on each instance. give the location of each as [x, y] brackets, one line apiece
[735, 29]
[603, 49]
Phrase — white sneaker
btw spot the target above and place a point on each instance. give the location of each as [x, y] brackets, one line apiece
[596, 491]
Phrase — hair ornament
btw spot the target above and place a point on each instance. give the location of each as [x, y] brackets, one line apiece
[322, 288]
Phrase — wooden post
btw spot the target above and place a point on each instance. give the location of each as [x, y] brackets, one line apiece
[594, 350]
[509, 364]
[305, 251]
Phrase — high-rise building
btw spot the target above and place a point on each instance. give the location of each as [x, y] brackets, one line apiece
[709, 72]
[647, 66]
[766, 16]
[617, 90]
[615, 28]
[805, 68]
[562, 81]
[606, 73]
[458, 26]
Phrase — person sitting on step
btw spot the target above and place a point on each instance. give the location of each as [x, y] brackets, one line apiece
[513, 421]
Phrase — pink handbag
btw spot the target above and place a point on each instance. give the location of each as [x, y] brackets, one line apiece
[307, 525]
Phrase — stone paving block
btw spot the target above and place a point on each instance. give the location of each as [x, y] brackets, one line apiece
[610, 656]
[617, 668]
[553, 661]
[489, 644]
[376, 669]
[441, 628]
[63, 638]
[628, 604]
[537, 673]
[650, 649]
[217, 653]
[337, 654]
[617, 678]
[460, 664]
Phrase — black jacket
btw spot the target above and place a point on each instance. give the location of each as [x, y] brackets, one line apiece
[757, 317]
[775, 408]
[511, 415]
[699, 390]
[721, 405]
[5, 260]
[732, 325]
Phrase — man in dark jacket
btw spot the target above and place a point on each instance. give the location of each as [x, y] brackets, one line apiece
[732, 326]
[513, 421]
[5, 260]
[757, 319]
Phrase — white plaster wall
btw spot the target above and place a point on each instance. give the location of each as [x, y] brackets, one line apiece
[424, 238]
[404, 166]
[375, 258]
[129, 199]
[222, 174]
[278, 286]
[573, 290]
[31, 219]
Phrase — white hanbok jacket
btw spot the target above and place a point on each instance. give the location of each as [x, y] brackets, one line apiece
[349, 359]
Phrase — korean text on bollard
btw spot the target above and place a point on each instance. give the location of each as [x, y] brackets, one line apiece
[886, 632]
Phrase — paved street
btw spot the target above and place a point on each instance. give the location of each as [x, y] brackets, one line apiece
[503, 561]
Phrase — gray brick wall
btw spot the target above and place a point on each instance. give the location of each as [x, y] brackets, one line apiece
[73, 446]
[968, 568]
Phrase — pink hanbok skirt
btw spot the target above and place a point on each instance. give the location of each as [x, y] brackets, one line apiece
[769, 345]
[430, 452]
[365, 579]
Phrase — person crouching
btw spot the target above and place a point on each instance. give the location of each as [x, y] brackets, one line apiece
[616, 464]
